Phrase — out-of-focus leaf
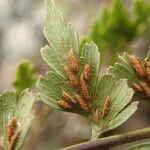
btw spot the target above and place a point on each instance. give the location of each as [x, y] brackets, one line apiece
[116, 27]
[21, 109]
[106, 31]
[25, 77]
[142, 16]
[141, 146]
[56, 81]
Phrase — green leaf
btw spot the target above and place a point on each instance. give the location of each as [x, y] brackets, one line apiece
[141, 146]
[53, 84]
[61, 37]
[57, 81]
[148, 56]
[84, 39]
[25, 77]
[121, 107]
[91, 55]
[125, 69]
[21, 109]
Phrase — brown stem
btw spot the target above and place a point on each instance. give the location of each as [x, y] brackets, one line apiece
[111, 141]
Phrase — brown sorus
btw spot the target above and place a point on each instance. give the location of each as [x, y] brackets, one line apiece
[71, 76]
[84, 88]
[82, 103]
[13, 142]
[65, 104]
[137, 87]
[147, 69]
[11, 128]
[67, 97]
[73, 81]
[146, 88]
[73, 61]
[106, 107]
[96, 115]
[137, 65]
[87, 72]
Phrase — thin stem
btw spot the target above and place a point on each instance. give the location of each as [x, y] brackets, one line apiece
[112, 141]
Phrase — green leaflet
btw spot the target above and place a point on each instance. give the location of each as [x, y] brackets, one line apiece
[141, 146]
[21, 109]
[24, 76]
[118, 90]
[125, 69]
[61, 37]
[148, 56]
[56, 81]
[121, 107]
[91, 55]
[53, 84]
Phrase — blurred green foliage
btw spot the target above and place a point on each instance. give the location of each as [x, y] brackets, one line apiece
[25, 77]
[116, 27]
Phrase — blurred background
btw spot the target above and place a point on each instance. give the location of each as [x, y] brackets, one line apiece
[114, 26]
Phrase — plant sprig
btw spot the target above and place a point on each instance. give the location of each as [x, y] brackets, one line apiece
[74, 84]
[15, 118]
[25, 77]
[137, 73]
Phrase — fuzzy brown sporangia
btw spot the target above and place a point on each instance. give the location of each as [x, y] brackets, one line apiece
[137, 65]
[106, 107]
[146, 88]
[67, 97]
[65, 104]
[73, 61]
[96, 115]
[72, 79]
[87, 72]
[147, 69]
[82, 103]
[84, 88]
[14, 139]
[11, 129]
[137, 87]
[144, 74]
[75, 77]
[142, 87]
